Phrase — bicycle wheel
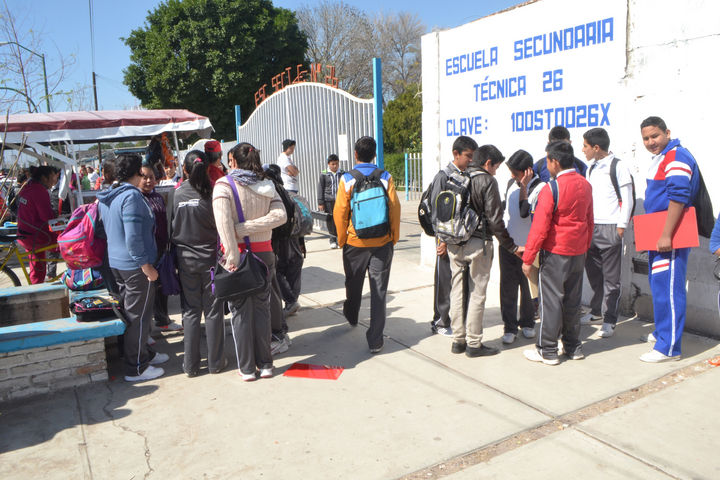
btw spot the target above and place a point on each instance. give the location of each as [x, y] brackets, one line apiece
[8, 278]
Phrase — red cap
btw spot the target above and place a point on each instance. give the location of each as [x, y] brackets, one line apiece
[213, 146]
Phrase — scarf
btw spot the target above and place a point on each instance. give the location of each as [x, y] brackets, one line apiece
[244, 177]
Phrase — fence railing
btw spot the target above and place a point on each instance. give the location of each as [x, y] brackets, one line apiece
[413, 176]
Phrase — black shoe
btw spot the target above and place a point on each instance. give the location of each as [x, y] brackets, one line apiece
[458, 347]
[351, 322]
[223, 364]
[481, 351]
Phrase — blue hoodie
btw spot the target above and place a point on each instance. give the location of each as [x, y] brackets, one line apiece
[130, 227]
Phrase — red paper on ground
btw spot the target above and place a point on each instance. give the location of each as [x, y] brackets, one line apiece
[649, 227]
[306, 370]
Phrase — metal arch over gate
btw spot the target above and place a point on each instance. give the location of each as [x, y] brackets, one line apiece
[321, 119]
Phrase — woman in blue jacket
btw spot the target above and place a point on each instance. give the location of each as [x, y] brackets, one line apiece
[129, 226]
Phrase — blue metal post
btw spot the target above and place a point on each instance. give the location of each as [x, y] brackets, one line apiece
[237, 122]
[377, 95]
[407, 190]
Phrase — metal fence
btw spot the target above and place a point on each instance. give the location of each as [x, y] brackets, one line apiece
[413, 176]
[321, 119]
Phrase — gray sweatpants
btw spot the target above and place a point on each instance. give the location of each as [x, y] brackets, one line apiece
[603, 263]
[376, 261]
[199, 300]
[137, 296]
[251, 325]
[560, 295]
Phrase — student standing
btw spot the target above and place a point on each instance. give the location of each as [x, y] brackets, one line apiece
[372, 255]
[562, 228]
[288, 169]
[476, 254]
[195, 236]
[557, 134]
[462, 151]
[216, 169]
[520, 197]
[673, 181]
[604, 258]
[327, 192]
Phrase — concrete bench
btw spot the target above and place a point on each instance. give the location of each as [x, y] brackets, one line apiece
[41, 357]
[32, 303]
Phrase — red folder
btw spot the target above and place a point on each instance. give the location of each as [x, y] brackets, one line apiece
[649, 227]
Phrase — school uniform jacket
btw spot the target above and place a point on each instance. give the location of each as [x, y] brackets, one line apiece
[567, 230]
[673, 175]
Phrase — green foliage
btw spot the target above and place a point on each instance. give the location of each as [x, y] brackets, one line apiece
[402, 121]
[208, 55]
[395, 164]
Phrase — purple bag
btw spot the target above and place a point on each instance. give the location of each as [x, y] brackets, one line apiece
[167, 274]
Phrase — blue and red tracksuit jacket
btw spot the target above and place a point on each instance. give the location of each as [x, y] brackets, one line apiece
[673, 175]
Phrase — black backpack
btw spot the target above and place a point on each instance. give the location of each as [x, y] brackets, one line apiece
[455, 218]
[704, 209]
[425, 213]
[614, 180]
[285, 230]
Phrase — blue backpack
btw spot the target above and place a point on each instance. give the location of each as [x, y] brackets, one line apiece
[369, 205]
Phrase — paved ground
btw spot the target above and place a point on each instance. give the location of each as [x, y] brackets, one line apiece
[413, 411]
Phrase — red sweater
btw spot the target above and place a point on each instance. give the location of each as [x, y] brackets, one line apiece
[567, 230]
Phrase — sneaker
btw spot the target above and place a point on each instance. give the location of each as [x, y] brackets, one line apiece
[377, 349]
[159, 358]
[223, 364]
[248, 377]
[481, 351]
[458, 347]
[279, 346]
[291, 309]
[288, 340]
[266, 372]
[528, 332]
[170, 327]
[334, 245]
[653, 356]
[561, 347]
[149, 374]
[151, 341]
[576, 355]
[534, 356]
[649, 338]
[508, 338]
[607, 330]
[588, 318]
[444, 331]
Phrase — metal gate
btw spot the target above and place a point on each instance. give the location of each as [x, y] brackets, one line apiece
[413, 176]
[321, 119]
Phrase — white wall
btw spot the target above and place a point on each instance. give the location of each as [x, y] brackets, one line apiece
[661, 60]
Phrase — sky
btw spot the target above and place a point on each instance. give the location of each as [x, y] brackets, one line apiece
[65, 27]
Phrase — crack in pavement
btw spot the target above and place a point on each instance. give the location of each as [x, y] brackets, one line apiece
[106, 410]
[83, 446]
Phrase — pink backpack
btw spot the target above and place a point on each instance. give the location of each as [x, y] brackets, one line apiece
[79, 245]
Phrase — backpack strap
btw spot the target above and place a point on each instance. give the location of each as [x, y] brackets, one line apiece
[614, 180]
[555, 193]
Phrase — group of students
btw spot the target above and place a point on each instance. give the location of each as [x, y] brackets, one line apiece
[559, 218]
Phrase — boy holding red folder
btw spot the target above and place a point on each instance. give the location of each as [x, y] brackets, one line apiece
[672, 184]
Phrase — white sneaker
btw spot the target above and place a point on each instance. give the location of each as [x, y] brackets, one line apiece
[291, 309]
[149, 374]
[653, 356]
[607, 330]
[649, 338]
[159, 358]
[528, 332]
[247, 377]
[508, 338]
[170, 327]
[266, 372]
[334, 245]
[534, 356]
[588, 318]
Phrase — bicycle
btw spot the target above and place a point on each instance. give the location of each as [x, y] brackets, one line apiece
[10, 251]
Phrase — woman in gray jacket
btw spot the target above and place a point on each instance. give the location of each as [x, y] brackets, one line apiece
[195, 236]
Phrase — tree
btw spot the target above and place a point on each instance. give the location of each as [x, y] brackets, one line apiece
[208, 55]
[347, 38]
[402, 121]
[342, 36]
[22, 87]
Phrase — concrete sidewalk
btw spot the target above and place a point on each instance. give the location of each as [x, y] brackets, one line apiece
[415, 410]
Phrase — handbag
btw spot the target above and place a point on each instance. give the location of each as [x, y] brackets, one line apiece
[167, 274]
[251, 275]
